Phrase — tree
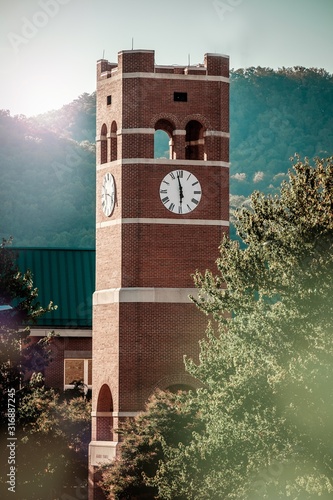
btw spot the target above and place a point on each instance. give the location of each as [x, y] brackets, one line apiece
[18, 357]
[168, 418]
[266, 362]
[53, 432]
[48, 431]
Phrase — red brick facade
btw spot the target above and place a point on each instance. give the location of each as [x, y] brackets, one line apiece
[143, 323]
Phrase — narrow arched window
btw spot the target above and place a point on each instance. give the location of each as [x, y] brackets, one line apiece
[104, 144]
[114, 141]
[161, 144]
[163, 139]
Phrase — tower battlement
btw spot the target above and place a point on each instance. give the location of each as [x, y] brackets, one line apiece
[143, 61]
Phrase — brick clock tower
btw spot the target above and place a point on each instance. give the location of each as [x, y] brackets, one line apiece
[157, 221]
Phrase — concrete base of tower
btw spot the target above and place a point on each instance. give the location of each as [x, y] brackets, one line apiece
[100, 452]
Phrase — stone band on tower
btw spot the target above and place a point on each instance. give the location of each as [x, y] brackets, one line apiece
[157, 221]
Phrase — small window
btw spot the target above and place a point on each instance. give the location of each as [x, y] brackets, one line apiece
[180, 96]
[108, 100]
[77, 370]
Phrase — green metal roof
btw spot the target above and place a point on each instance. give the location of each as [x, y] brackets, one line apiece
[65, 277]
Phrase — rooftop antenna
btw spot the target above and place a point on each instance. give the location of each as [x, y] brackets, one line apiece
[132, 42]
[189, 59]
[103, 53]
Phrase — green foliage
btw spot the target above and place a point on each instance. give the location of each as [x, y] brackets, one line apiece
[266, 368]
[17, 291]
[47, 186]
[288, 236]
[51, 432]
[53, 435]
[168, 420]
[274, 114]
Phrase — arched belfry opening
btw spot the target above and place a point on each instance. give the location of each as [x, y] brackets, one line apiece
[104, 419]
[104, 144]
[114, 141]
[194, 141]
[163, 139]
[161, 144]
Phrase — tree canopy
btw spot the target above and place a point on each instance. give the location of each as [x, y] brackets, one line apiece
[18, 358]
[168, 418]
[266, 367]
[266, 406]
[48, 431]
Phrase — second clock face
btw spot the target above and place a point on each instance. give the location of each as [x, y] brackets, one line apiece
[108, 194]
[180, 192]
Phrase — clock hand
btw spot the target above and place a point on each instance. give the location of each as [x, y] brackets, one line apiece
[181, 195]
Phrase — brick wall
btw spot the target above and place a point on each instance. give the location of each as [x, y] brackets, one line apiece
[155, 338]
[150, 254]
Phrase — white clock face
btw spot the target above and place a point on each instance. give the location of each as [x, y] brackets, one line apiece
[108, 194]
[180, 192]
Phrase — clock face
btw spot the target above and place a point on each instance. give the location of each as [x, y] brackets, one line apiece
[180, 192]
[108, 194]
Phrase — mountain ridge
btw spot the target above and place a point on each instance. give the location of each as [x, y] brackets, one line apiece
[47, 162]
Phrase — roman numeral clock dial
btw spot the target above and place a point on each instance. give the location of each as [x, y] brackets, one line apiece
[180, 192]
[108, 194]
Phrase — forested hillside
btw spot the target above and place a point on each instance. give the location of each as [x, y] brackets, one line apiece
[47, 163]
[273, 115]
[47, 186]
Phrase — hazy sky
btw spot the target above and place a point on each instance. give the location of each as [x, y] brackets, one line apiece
[49, 48]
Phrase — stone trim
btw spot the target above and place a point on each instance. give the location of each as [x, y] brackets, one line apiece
[173, 76]
[163, 161]
[216, 133]
[125, 414]
[136, 131]
[101, 413]
[181, 221]
[147, 295]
